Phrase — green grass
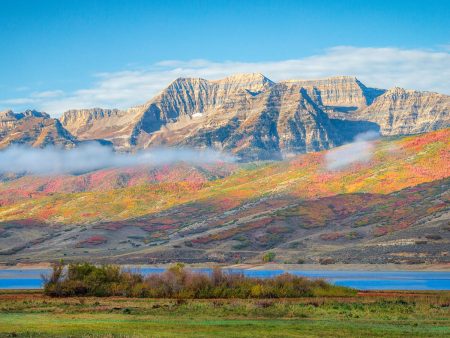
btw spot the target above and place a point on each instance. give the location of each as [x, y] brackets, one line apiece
[363, 316]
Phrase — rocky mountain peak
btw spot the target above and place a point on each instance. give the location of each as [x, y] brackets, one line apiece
[252, 83]
[6, 114]
[34, 113]
[34, 129]
[245, 79]
[398, 92]
[10, 116]
[186, 81]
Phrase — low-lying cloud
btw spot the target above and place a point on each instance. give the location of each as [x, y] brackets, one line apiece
[376, 67]
[92, 156]
[360, 150]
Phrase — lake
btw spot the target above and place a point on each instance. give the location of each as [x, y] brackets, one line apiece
[362, 280]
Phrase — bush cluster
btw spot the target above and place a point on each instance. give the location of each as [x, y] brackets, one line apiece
[84, 279]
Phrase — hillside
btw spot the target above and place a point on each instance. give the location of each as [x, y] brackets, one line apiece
[385, 208]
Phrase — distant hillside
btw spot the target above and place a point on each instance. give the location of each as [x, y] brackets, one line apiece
[393, 208]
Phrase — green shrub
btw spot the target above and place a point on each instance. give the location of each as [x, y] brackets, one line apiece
[268, 257]
[177, 282]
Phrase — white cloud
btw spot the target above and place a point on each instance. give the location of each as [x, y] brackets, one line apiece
[19, 101]
[47, 94]
[360, 150]
[376, 67]
[92, 156]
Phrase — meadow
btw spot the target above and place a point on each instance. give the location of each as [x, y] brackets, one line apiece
[381, 314]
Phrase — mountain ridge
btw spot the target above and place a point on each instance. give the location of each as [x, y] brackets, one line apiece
[255, 118]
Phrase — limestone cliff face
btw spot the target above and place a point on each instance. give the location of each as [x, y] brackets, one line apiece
[34, 129]
[7, 120]
[81, 122]
[248, 115]
[302, 124]
[272, 122]
[401, 112]
[192, 97]
[112, 125]
[342, 93]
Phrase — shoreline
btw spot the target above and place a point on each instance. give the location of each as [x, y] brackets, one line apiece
[442, 267]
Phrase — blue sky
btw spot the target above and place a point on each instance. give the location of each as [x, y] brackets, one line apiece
[61, 54]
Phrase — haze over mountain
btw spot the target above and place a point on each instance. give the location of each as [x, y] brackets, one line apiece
[245, 114]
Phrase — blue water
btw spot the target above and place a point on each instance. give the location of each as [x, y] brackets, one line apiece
[362, 280]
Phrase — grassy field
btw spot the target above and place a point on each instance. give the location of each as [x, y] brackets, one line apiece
[366, 315]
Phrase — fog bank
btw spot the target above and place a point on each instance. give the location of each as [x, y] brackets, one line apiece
[360, 150]
[92, 156]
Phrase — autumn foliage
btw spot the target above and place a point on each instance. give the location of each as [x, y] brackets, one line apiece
[85, 279]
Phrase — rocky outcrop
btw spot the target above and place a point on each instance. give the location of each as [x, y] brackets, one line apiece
[34, 129]
[402, 112]
[9, 119]
[339, 93]
[82, 122]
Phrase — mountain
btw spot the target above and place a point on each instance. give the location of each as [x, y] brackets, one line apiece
[253, 126]
[247, 115]
[401, 112]
[34, 129]
[183, 98]
[256, 118]
[392, 208]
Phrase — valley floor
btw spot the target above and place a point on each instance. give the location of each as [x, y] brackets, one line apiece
[379, 314]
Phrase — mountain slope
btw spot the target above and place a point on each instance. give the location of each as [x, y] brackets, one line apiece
[401, 194]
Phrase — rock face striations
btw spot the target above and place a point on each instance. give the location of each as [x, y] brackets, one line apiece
[106, 124]
[340, 93]
[400, 112]
[34, 129]
[250, 116]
